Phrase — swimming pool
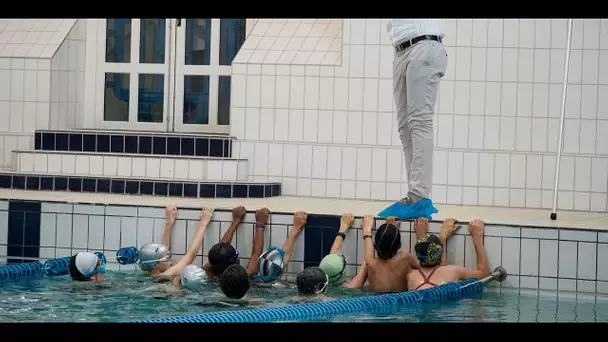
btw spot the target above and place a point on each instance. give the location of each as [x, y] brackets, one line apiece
[129, 296]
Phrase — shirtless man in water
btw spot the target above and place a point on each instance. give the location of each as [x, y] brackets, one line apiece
[431, 252]
[387, 272]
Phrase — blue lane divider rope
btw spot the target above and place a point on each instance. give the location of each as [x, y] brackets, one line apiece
[60, 266]
[15, 272]
[301, 312]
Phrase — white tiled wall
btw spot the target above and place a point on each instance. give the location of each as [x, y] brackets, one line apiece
[330, 131]
[67, 80]
[67, 229]
[28, 49]
[121, 165]
[536, 258]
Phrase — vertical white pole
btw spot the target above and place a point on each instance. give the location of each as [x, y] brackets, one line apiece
[561, 120]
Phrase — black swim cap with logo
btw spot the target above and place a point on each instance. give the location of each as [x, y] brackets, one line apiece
[387, 241]
[428, 250]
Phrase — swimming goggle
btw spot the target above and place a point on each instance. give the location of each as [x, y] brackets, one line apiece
[167, 257]
[324, 287]
[433, 255]
[236, 255]
[99, 269]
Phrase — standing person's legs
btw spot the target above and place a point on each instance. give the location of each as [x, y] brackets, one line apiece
[417, 71]
[427, 65]
[400, 95]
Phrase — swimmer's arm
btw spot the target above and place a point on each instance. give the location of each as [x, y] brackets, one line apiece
[197, 243]
[170, 215]
[368, 251]
[290, 243]
[256, 250]
[345, 223]
[482, 260]
[444, 253]
[412, 261]
[368, 245]
[359, 280]
[261, 218]
[482, 270]
[177, 282]
[238, 215]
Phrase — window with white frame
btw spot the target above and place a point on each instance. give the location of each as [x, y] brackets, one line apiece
[170, 72]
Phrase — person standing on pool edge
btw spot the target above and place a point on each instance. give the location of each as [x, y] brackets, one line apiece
[419, 64]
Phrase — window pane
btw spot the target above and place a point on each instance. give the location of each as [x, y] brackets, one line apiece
[116, 97]
[223, 107]
[151, 102]
[232, 37]
[198, 41]
[196, 100]
[118, 40]
[152, 41]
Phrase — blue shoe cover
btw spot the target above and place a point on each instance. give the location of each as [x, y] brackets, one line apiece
[423, 208]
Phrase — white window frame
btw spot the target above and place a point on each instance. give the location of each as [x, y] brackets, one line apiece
[174, 69]
[134, 69]
[214, 70]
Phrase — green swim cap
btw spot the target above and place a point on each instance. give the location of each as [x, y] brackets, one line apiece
[333, 265]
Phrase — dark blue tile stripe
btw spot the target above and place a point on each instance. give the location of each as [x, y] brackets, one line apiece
[320, 232]
[23, 230]
[138, 187]
[133, 143]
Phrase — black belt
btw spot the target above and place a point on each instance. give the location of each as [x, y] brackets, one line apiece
[413, 41]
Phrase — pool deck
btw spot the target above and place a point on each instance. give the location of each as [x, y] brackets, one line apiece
[492, 215]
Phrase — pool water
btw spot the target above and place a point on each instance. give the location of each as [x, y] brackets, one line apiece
[127, 296]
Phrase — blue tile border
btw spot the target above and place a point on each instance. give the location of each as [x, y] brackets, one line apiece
[320, 235]
[136, 143]
[23, 230]
[209, 189]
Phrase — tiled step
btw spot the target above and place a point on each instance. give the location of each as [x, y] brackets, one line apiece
[175, 144]
[135, 186]
[130, 165]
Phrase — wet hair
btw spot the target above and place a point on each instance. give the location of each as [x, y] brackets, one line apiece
[222, 255]
[312, 280]
[74, 272]
[234, 282]
[387, 241]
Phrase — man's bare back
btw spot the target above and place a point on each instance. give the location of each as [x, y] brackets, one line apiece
[389, 275]
[387, 272]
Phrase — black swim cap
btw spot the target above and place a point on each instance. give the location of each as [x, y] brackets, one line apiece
[222, 255]
[234, 282]
[312, 280]
[387, 241]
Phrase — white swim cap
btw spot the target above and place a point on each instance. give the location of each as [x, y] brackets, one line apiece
[150, 254]
[86, 262]
[271, 264]
[193, 277]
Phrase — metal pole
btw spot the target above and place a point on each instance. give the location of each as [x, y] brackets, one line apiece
[561, 119]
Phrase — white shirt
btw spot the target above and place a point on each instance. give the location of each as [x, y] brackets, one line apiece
[400, 30]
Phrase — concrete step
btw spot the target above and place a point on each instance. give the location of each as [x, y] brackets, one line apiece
[147, 143]
[137, 186]
[130, 165]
